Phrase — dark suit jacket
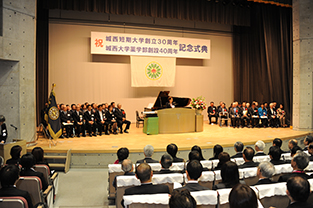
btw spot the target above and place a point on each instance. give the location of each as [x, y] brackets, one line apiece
[119, 114]
[311, 158]
[305, 149]
[270, 114]
[66, 116]
[237, 155]
[176, 159]
[212, 110]
[3, 133]
[278, 162]
[98, 118]
[12, 161]
[13, 191]
[147, 160]
[30, 172]
[78, 118]
[110, 116]
[237, 113]
[193, 187]
[264, 181]
[223, 185]
[260, 154]
[284, 178]
[249, 165]
[147, 189]
[300, 205]
[89, 117]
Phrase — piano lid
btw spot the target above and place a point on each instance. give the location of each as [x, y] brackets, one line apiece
[162, 99]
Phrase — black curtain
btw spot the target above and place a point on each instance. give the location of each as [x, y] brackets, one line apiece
[263, 57]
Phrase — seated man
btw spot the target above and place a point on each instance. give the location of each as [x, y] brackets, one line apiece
[102, 122]
[238, 148]
[212, 113]
[172, 150]
[265, 172]
[182, 199]
[128, 169]
[298, 163]
[272, 115]
[121, 119]
[278, 143]
[259, 147]
[275, 154]
[89, 117]
[79, 121]
[245, 115]
[223, 114]
[253, 110]
[195, 155]
[148, 152]
[194, 172]
[292, 143]
[67, 121]
[15, 153]
[166, 162]
[8, 176]
[234, 113]
[248, 154]
[298, 191]
[307, 141]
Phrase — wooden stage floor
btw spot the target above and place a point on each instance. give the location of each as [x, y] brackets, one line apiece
[136, 139]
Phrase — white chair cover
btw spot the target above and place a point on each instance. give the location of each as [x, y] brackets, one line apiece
[238, 161]
[261, 158]
[311, 184]
[146, 199]
[268, 190]
[224, 193]
[248, 172]
[218, 175]
[115, 168]
[167, 178]
[214, 163]
[286, 156]
[310, 167]
[177, 166]
[206, 164]
[155, 166]
[285, 168]
[207, 197]
[122, 181]
[207, 176]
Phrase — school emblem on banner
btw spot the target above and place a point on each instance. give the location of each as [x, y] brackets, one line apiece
[154, 70]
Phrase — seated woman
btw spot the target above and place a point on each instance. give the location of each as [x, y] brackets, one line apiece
[223, 158]
[15, 155]
[198, 149]
[112, 124]
[216, 151]
[230, 176]
[122, 154]
[39, 157]
[281, 114]
[170, 104]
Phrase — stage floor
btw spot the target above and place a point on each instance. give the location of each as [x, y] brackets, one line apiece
[136, 139]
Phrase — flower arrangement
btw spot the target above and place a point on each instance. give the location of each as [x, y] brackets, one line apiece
[198, 103]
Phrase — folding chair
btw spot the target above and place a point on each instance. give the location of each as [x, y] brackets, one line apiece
[114, 170]
[146, 201]
[238, 161]
[205, 199]
[281, 170]
[206, 164]
[261, 158]
[207, 179]
[122, 183]
[13, 202]
[139, 120]
[249, 175]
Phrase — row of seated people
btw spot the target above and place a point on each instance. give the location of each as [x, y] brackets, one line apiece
[245, 115]
[93, 118]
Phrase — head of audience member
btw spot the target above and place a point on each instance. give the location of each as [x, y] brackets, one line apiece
[15, 152]
[38, 154]
[221, 103]
[292, 143]
[277, 142]
[8, 175]
[308, 140]
[84, 107]
[243, 104]
[265, 170]
[122, 154]
[144, 173]
[253, 105]
[294, 150]
[265, 105]
[194, 155]
[28, 161]
[211, 103]
[127, 166]
[106, 105]
[194, 170]
[217, 150]
[274, 153]
[78, 107]
[238, 146]
[262, 106]
[73, 107]
[172, 150]
[300, 161]
[274, 104]
[310, 149]
[256, 104]
[230, 173]
[298, 189]
[248, 154]
[242, 196]
[198, 149]
[259, 146]
[148, 150]
[223, 157]
[2, 119]
[182, 199]
[166, 161]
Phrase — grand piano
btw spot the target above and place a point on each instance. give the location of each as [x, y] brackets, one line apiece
[180, 119]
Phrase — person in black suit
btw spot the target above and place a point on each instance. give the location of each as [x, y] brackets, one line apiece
[28, 161]
[145, 174]
[217, 149]
[128, 169]
[238, 148]
[182, 199]
[265, 171]
[253, 110]
[275, 154]
[278, 142]
[292, 143]
[223, 157]
[248, 155]
[242, 196]
[298, 163]
[148, 151]
[223, 113]
[245, 115]
[193, 172]
[259, 147]
[170, 103]
[3, 130]
[234, 113]
[101, 120]
[166, 162]
[79, 121]
[122, 154]
[172, 150]
[298, 191]
[272, 115]
[39, 157]
[8, 176]
[90, 119]
[121, 119]
[310, 150]
[111, 119]
[212, 112]
[67, 121]
[307, 141]
[15, 153]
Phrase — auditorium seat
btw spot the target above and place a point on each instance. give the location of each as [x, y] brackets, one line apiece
[168, 179]
[281, 170]
[310, 167]
[310, 199]
[238, 161]
[223, 198]
[259, 159]
[206, 164]
[13, 202]
[122, 183]
[214, 163]
[146, 201]
[205, 199]
[286, 156]
[249, 175]
[114, 170]
[178, 166]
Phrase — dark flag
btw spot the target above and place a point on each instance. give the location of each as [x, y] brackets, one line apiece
[53, 116]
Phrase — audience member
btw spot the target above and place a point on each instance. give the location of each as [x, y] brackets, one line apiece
[292, 143]
[265, 172]
[248, 154]
[28, 162]
[242, 196]
[307, 141]
[294, 150]
[15, 153]
[259, 148]
[230, 176]
[194, 172]
[122, 154]
[198, 149]
[3, 130]
[39, 157]
[298, 191]
[278, 143]
[182, 199]
[310, 150]
[298, 163]
[128, 169]
[166, 162]
[238, 148]
[216, 151]
[172, 149]
[148, 152]
[223, 157]
[275, 154]
[8, 176]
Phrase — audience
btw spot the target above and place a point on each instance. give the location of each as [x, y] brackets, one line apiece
[294, 150]
[172, 150]
[310, 150]
[298, 191]
[216, 151]
[292, 143]
[307, 141]
[182, 199]
[275, 154]
[278, 143]
[230, 176]
[193, 173]
[248, 154]
[238, 148]
[128, 169]
[198, 149]
[8, 176]
[259, 148]
[223, 158]
[39, 156]
[265, 172]
[15, 153]
[122, 154]
[148, 152]
[166, 162]
[242, 196]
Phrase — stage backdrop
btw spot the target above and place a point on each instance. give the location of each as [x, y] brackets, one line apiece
[80, 76]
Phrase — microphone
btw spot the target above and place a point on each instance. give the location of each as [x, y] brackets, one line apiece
[13, 126]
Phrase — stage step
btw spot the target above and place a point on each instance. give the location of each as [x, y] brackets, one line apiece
[57, 165]
[55, 156]
[59, 160]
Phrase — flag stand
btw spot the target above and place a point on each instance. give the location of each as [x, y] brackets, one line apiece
[51, 141]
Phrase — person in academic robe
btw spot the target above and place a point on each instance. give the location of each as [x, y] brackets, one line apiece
[79, 121]
[67, 121]
[212, 113]
[90, 119]
[111, 119]
[273, 118]
[3, 130]
[170, 103]
[265, 172]
[121, 119]
[244, 115]
[234, 113]
[253, 110]
[263, 115]
[103, 124]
